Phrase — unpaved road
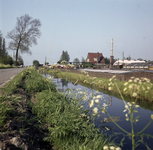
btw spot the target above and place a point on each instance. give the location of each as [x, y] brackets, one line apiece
[8, 74]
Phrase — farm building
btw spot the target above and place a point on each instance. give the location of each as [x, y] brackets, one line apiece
[96, 58]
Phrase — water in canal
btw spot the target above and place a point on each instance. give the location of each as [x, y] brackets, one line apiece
[115, 109]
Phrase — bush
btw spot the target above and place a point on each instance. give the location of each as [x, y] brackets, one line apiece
[36, 63]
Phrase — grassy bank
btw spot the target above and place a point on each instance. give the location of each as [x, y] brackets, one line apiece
[142, 88]
[3, 66]
[32, 108]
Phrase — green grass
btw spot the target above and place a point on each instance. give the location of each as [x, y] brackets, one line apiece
[141, 87]
[70, 127]
[3, 66]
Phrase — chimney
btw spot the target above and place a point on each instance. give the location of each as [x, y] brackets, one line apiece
[97, 57]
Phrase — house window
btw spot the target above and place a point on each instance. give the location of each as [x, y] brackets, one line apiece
[95, 59]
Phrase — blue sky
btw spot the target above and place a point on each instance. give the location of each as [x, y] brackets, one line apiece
[82, 26]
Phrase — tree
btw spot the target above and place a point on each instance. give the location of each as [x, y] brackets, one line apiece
[107, 60]
[24, 34]
[128, 58]
[83, 60]
[65, 56]
[20, 60]
[9, 60]
[36, 63]
[76, 61]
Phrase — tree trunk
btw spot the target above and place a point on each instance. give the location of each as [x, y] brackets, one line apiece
[17, 52]
[16, 57]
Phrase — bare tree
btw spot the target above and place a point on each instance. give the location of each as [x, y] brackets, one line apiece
[24, 34]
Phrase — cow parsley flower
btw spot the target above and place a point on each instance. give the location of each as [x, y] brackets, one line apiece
[95, 110]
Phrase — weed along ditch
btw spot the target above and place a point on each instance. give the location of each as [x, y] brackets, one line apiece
[126, 120]
[40, 111]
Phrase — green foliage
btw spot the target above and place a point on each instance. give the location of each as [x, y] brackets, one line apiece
[5, 109]
[36, 63]
[36, 83]
[68, 128]
[76, 61]
[88, 64]
[107, 60]
[65, 56]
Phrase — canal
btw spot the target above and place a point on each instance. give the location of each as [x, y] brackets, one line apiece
[115, 109]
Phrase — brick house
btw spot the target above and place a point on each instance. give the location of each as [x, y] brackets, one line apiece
[96, 58]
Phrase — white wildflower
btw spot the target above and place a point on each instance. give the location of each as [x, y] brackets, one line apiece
[112, 148]
[95, 110]
[118, 148]
[130, 86]
[124, 89]
[105, 147]
[97, 100]
[107, 128]
[148, 88]
[130, 80]
[127, 119]
[92, 103]
[99, 96]
[136, 120]
[134, 94]
[137, 106]
[110, 88]
[125, 83]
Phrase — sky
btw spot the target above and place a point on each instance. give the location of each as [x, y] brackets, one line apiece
[82, 26]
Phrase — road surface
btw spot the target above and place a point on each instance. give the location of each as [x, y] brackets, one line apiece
[8, 74]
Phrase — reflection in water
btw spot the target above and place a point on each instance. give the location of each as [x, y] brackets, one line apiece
[116, 111]
[110, 100]
[64, 83]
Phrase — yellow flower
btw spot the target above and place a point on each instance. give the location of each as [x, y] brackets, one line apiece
[152, 116]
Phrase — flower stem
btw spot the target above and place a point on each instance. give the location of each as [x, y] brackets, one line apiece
[144, 128]
[117, 124]
[133, 136]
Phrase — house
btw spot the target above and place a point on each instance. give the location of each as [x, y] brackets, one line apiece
[96, 58]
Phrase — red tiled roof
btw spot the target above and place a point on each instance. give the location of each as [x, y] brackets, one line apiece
[91, 57]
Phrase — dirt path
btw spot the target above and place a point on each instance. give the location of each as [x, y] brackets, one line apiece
[8, 74]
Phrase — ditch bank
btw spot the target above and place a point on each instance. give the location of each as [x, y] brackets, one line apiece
[136, 88]
[121, 75]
